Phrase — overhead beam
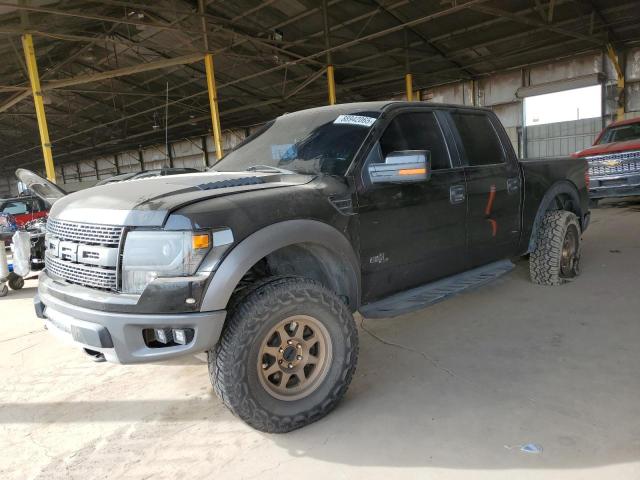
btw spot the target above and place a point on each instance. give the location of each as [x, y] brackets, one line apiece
[535, 23]
[426, 40]
[95, 77]
[594, 13]
[121, 72]
[88, 16]
[8, 30]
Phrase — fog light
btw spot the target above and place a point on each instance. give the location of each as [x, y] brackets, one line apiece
[163, 335]
[180, 336]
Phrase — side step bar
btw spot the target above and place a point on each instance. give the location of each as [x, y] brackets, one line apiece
[425, 295]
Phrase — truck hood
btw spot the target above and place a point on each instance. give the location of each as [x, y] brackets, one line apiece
[614, 147]
[148, 201]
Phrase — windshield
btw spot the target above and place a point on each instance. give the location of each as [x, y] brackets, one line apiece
[14, 207]
[621, 133]
[320, 140]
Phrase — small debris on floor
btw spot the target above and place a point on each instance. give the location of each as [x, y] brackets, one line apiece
[533, 448]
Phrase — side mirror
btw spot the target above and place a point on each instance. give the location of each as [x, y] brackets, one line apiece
[406, 166]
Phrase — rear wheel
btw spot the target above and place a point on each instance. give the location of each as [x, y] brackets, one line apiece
[286, 356]
[556, 256]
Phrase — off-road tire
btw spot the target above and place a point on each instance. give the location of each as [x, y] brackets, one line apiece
[232, 363]
[545, 259]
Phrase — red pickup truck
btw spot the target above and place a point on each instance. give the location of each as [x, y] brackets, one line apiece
[614, 161]
[24, 209]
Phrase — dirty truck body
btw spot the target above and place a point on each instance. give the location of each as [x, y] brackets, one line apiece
[324, 212]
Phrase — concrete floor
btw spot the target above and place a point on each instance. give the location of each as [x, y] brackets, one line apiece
[450, 392]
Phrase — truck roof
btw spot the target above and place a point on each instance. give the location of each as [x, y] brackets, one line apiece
[628, 121]
[612, 147]
[385, 105]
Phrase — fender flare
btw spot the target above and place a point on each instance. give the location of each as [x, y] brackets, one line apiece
[269, 239]
[558, 188]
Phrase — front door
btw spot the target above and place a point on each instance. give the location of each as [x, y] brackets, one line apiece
[411, 233]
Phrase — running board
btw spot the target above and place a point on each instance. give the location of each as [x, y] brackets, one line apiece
[425, 295]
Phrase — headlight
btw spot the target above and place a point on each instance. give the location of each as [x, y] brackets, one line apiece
[152, 254]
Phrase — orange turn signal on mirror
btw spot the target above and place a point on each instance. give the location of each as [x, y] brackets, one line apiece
[412, 171]
[200, 241]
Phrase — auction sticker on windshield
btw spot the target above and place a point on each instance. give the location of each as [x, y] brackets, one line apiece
[354, 120]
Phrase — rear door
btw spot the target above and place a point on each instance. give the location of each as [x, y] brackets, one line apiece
[493, 186]
[411, 233]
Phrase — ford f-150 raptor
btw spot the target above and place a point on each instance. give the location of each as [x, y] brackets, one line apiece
[379, 208]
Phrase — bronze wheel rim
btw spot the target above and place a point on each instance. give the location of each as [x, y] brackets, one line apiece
[294, 357]
[569, 258]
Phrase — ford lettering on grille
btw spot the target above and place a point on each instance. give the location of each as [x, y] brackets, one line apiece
[83, 254]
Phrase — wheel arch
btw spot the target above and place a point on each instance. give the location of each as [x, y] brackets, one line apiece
[298, 247]
[562, 195]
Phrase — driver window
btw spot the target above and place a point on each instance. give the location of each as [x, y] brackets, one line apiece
[416, 131]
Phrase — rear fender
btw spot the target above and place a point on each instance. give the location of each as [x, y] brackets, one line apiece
[562, 187]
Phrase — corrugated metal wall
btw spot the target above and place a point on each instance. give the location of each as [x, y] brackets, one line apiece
[562, 138]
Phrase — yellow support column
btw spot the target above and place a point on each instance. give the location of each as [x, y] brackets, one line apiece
[408, 80]
[332, 85]
[213, 104]
[34, 78]
[620, 74]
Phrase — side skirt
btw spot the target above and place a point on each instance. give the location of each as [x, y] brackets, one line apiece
[425, 295]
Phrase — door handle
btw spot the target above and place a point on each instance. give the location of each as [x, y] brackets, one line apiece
[513, 184]
[457, 194]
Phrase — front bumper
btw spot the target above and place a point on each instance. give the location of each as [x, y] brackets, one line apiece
[119, 336]
[618, 186]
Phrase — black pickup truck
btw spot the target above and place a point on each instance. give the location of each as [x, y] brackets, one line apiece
[378, 208]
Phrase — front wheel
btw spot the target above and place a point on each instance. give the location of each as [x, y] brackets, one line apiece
[286, 356]
[556, 256]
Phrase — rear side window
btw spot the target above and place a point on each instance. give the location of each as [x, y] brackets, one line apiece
[416, 131]
[479, 139]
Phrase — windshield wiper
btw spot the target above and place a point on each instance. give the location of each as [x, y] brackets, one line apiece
[268, 168]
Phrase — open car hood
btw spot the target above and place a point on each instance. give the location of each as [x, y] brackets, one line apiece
[41, 187]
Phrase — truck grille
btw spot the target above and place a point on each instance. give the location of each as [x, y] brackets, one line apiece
[85, 233]
[614, 164]
[69, 256]
[93, 277]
